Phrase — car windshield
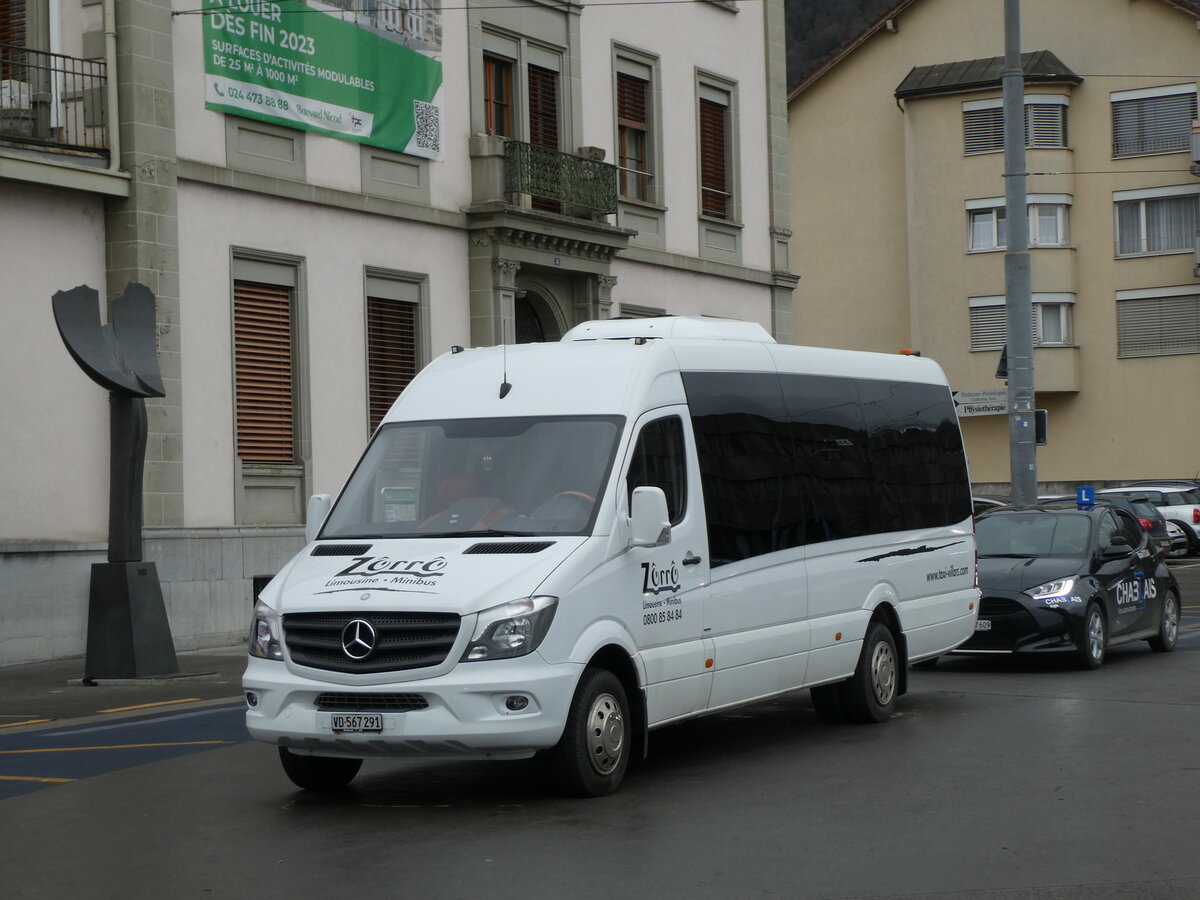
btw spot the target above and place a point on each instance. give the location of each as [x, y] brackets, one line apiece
[504, 476]
[1030, 534]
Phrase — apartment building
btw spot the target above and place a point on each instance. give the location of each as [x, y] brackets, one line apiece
[899, 216]
[323, 196]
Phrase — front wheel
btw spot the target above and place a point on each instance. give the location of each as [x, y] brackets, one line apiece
[1095, 638]
[593, 753]
[870, 693]
[318, 773]
[1168, 626]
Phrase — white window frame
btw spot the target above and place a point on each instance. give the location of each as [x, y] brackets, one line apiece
[986, 118]
[994, 206]
[1182, 140]
[1141, 197]
[1179, 306]
[989, 331]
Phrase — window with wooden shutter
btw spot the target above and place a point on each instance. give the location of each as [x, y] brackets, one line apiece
[1158, 326]
[714, 168]
[633, 127]
[1158, 124]
[543, 107]
[391, 353]
[1045, 125]
[497, 95]
[983, 130]
[265, 396]
[13, 22]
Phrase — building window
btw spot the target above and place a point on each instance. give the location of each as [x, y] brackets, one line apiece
[497, 94]
[1045, 123]
[986, 222]
[716, 181]
[265, 388]
[1160, 220]
[1158, 322]
[635, 178]
[391, 353]
[1155, 120]
[543, 107]
[1051, 321]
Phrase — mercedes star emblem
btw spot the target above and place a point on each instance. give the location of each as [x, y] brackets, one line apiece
[358, 639]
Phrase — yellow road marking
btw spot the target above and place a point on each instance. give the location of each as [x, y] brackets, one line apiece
[115, 747]
[148, 705]
[42, 780]
[26, 722]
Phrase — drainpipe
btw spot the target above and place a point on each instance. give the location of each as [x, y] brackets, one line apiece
[110, 84]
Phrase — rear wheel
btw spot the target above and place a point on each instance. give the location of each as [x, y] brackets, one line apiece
[593, 753]
[870, 693]
[318, 773]
[1095, 638]
[1168, 626]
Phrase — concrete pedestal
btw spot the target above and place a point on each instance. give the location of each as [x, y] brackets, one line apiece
[128, 633]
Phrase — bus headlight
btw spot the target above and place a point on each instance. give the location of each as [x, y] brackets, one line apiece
[265, 633]
[511, 629]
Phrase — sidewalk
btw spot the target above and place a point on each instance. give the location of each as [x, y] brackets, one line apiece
[45, 694]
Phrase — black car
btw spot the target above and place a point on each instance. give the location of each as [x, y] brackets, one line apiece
[1142, 509]
[1070, 580]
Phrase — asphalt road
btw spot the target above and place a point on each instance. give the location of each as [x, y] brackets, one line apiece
[996, 778]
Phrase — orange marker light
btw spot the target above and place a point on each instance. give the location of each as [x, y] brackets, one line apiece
[708, 664]
[970, 606]
[838, 636]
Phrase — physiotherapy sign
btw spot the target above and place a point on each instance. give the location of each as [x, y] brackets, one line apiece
[367, 71]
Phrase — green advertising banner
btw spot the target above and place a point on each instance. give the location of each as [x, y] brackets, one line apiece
[361, 70]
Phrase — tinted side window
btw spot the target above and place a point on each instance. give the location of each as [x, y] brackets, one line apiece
[659, 461]
[738, 420]
[832, 470]
[917, 453]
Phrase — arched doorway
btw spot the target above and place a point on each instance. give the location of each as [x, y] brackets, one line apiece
[534, 318]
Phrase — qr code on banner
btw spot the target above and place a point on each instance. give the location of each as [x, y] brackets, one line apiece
[428, 126]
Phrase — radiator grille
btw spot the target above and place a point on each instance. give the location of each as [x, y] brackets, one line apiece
[340, 549]
[331, 702]
[524, 547]
[402, 641]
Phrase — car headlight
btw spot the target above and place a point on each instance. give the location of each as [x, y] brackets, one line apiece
[1052, 590]
[265, 633]
[511, 629]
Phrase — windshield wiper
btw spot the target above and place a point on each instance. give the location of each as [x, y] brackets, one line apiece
[479, 532]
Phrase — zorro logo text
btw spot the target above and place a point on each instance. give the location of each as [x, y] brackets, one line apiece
[656, 580]
[379, 565]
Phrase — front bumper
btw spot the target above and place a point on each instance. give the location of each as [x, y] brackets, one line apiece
[465, 715]
[1020, 624]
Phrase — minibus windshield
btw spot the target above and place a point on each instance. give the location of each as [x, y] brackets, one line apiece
[505, 476]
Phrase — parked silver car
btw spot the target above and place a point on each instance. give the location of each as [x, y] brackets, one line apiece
[1177, 502]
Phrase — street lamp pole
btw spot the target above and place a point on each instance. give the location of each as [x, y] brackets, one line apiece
[1017, 280]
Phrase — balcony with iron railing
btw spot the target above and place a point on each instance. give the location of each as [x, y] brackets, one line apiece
[517, 174]
[52, 102]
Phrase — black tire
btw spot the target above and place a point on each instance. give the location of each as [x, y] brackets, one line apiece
[830, 703]
[1168, 624]
[591, 757]
[870, 693]
[318, 773]
[1093, 642]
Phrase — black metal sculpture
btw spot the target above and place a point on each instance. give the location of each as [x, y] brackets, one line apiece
[128, 632]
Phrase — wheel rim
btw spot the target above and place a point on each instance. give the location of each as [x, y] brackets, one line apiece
[1095, 635]
[1170, 625]
[605, 734]
[883, 673]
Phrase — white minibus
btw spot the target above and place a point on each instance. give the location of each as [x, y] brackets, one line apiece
[552, 549]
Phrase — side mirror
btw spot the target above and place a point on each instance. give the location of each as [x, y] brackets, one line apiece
[318, 509]
[649, 517]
